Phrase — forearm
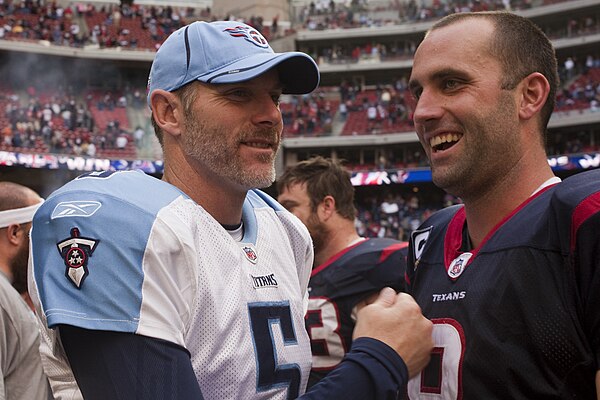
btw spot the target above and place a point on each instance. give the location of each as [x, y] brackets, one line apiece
[111, 365]
[371, 370]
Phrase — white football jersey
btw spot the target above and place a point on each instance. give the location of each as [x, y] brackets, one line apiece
[129, 253]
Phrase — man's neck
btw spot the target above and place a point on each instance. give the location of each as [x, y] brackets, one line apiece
[338, 240]
[220, 200]
[488, 210]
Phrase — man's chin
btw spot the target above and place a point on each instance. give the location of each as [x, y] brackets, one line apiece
[256, 181]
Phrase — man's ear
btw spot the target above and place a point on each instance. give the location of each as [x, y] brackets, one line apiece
[13, 233]
[534, 92]
[327, 208]
[167, 111]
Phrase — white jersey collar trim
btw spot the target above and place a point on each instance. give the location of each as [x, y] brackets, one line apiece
[551, 181]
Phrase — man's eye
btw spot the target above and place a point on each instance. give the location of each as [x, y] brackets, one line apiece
[416, 94]
[276, 99]
[240, 93]
[450, 84]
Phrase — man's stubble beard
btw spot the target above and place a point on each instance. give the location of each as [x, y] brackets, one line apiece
[211, 147]
[18, 268]
[493, 145]
[318, 232]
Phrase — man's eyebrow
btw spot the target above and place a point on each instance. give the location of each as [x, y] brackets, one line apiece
[437, 76]
[288, 203]
[446, 72]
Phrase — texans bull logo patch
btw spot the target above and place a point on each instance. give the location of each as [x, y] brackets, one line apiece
[75, 252]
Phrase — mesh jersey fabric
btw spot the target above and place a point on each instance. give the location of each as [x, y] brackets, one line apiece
[157, 264]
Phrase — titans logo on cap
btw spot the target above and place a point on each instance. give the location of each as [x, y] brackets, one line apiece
[250, 34]
[75, 252]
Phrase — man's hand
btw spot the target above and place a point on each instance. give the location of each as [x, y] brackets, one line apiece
[396, 320]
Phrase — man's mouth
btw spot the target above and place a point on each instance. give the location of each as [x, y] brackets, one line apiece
[444, 141]
[259, 145]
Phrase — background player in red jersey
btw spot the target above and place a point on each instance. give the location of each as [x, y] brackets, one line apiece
[511, 278]
[347, 268]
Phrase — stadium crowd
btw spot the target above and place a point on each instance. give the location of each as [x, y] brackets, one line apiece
[145, 27]
[328, 14]
[393, 215]
[106, 26]
[59, 123]
[387, 107]
[94, 122]
[403, 48]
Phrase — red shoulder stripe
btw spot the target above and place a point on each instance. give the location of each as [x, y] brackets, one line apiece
[388, 251]
[584, 210]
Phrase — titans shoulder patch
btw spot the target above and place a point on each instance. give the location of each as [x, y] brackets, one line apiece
[75, 252]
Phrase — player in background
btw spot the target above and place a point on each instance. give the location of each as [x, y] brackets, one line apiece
[511, 278]
[196, 285]
[347, 268]
[21, 373]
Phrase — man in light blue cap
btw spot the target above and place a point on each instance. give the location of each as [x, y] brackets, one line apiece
[195, 286]
[226, 52]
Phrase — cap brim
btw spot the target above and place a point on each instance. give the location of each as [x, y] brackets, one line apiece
[298, 72]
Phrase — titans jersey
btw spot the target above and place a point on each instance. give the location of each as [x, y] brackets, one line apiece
[126, 252]
[336, 287]
[518, 317]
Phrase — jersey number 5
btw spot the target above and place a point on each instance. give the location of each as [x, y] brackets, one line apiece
[263, 317]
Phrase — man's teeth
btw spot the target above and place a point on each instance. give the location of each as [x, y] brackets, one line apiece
[447, 138]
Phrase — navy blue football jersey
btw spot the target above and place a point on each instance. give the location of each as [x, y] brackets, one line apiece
[518, 317]
[336, 287]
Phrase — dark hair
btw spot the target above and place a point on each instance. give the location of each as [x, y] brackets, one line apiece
[521, 48]
[323, 177]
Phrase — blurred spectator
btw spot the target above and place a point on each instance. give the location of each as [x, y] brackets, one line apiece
[138, 136]
[121, 141]
[569, 68]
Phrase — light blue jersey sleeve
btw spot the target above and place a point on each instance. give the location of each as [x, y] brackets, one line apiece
[102, 255]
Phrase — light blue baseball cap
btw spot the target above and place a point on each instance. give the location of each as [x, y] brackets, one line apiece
[226, 52]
